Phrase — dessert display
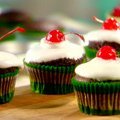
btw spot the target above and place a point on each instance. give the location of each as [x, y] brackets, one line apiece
[9, 68]
[50, 64]
[108, 35]
[115, 13]
[97, 83]
[11, 18]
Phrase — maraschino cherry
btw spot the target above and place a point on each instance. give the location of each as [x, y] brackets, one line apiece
[108, 24]
[107, 53]
[111, 24]
[55, 36]
[116, 11]
[19, 29]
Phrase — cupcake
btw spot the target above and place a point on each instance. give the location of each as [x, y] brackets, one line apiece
[97, 83]
[9, 68]
[108, 35]
[50, 64]
[115, 13]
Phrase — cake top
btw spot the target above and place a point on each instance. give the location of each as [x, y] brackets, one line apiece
[105, 66]
[9, 60]
[103, 35]
[109, 32]
[54, 46]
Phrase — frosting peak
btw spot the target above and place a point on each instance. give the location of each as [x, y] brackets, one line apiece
[45, 51]
[100, 69]
[102, 35]
[9, 60]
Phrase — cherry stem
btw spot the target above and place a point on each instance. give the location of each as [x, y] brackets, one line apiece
[12, 31]
[79, 35]
[98, 20]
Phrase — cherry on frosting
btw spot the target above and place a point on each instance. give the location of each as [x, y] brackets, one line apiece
[116, 11]
[111, 24]
[19, 29]
[107, 53]
[108, 24]
[55, 36]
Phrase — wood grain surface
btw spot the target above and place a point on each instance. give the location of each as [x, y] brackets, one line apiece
[29, 106]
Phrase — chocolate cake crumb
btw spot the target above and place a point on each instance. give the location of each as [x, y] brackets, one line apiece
[61, 62]
[98, 44]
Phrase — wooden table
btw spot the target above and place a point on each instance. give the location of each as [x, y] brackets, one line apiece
[29, 106]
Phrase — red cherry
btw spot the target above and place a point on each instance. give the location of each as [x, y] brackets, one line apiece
[55, 36]
[20, 29]
[107, 53]
[116, 11]
[12, 31]
[111, 24]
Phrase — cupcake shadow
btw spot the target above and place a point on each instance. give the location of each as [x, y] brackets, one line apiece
[28, 100]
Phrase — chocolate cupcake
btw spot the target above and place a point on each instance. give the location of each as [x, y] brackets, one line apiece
[108, 35]
[50, 64]
[97, 84]
[9, 68]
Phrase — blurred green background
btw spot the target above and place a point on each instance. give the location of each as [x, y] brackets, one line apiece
[77, 9]
[40, 16]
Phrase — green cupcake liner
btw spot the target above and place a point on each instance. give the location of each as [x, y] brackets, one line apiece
[6, 98]
[10, 74]
[100, 98]
[52, 77]
[7, 86]
[51, 88]
[90, 52]
[96, 87]
[61, 69]
[88, 110]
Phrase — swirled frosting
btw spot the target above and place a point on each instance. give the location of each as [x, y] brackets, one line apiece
[9, 60]
[103, 35]
[100, 69]
[45, 51]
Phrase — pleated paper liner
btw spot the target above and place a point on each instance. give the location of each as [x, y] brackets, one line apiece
[98, 98]
[37, 87]
[7, 86]
[50, 79]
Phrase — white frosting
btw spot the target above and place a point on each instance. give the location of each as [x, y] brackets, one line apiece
[100, 69]
[45, 51]
[9, 60]
[102, 35]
